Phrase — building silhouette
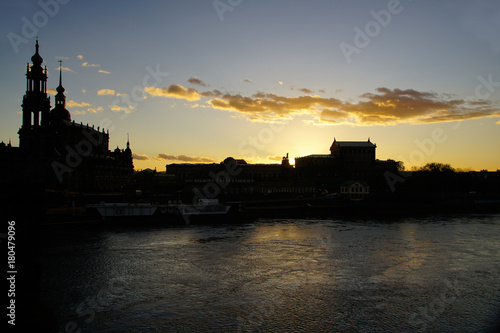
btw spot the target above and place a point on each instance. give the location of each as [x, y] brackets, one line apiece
[348, 162]
[351, 169]
[54, 151]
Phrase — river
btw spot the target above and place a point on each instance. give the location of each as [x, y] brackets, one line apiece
[432, 274]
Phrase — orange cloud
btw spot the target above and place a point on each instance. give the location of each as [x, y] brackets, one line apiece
[174, 91]
[117, 108]
[86, 64]
[73, 104]
[65, 69]
[384, 107]
[106, 92]
[140, 157]
[184, 158]
[275, 158]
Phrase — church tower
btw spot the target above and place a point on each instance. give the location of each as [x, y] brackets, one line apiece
[59, 112]
[35, 102]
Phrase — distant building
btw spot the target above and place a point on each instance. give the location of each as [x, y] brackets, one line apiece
[347, 161]
[341, 152]
[234, 178]
[354, 190]
[56, 152]
[354, 152]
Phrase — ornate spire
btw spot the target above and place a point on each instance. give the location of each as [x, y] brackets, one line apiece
[60, 112]
[36, 58]
[60, 88]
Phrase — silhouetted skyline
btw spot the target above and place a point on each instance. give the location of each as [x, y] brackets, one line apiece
[196, 82]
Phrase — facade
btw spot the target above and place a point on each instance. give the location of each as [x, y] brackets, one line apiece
[56, 152]
[354, 190]
[350, 162]
[354, 152]
[235, 178]
[347, 161]
[347, 153]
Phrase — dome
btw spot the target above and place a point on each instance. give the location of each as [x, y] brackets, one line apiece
[59, 113]
[36, 58]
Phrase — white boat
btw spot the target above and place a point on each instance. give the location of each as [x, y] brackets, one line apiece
[124, 209]
[204, 207]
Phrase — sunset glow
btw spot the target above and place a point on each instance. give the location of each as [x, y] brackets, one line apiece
[191, 84]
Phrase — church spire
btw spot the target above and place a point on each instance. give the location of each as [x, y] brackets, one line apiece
[59, 112]
[60, 98]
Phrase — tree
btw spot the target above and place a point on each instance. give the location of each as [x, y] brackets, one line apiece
[437, 167]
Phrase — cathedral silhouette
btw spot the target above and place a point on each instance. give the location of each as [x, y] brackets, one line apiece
[57, 153]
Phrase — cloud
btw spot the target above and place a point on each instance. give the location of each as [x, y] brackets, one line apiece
[247, 80]
[51, 91]
[195, 80]
[306, 91]
[140, 157]
[280, 83]
[73, 104]
[383, 107]
[386, 107]
[103, 92]
[117, 108]
[390, 106]
[174, 91]
[86, 64]
[270, 107]
[275, 158]
[95, 110]
[65, 69]
[88, 110]
[184, 158]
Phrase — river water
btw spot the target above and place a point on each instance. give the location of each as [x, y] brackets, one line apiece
[435, 274]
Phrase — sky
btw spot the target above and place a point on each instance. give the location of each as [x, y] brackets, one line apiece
[196, 81]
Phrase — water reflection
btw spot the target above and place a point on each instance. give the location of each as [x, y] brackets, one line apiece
[275, 275]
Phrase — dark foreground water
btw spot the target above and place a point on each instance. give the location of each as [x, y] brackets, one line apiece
[428, 274]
